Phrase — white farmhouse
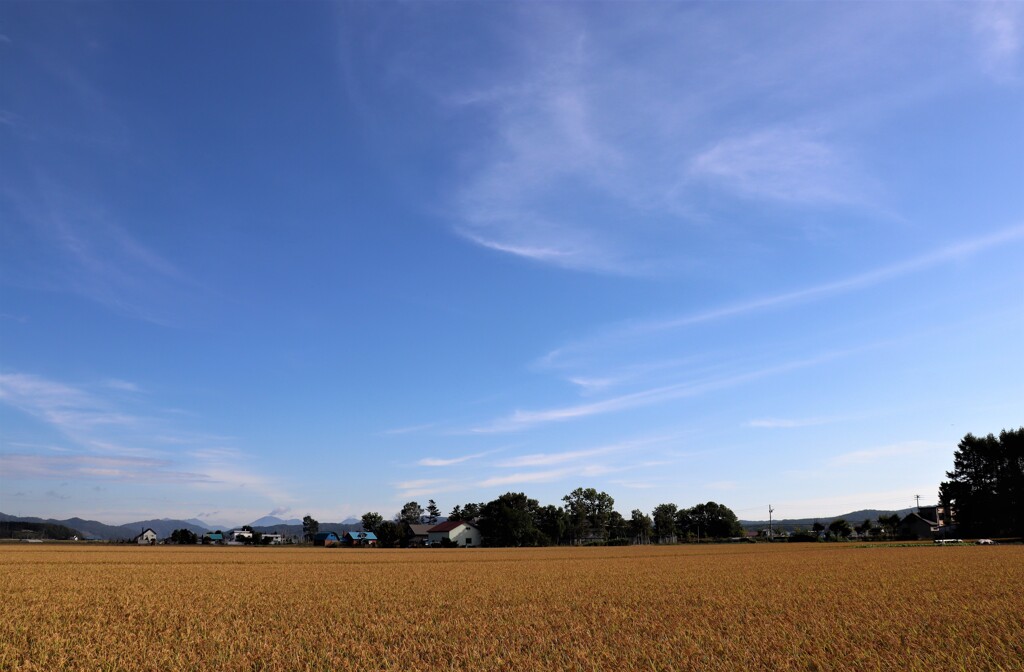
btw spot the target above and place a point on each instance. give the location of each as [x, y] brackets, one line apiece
[240, 536]
[147, 538]
[456, 532]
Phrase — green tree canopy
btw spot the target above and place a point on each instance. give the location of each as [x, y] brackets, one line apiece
[371, 521]
[310, 527]
[664, 516]
[184, 536]
[588, 511]
[389, 533]
[553, 523]
[985, 490]
[510, 520]
[618, 527]
[433, 513]
[410, 514]
[716, 520]
[889, 524]
[470, 511]
[640, 525]
[840, 528]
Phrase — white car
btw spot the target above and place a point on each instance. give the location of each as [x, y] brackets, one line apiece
[985, 542]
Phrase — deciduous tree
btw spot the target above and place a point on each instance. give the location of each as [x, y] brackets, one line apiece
[840, 528]
[588, 511]
[716, 520]
[410, 514]
[389, 533]
[640, 525]
[664, 516]
[371, 521]
[552, 523]
[510, 520]
[310, 527]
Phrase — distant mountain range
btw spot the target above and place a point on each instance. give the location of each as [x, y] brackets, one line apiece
[95, 530]
[854, 518]
[269, 521]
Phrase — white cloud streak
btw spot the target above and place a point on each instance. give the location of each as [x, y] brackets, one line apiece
[789, 423]
[551, 459]
[954, 252]
[113, 444]
[521, 420]
[447, 462]
[881, 453]
[784, 164]
[999, 33]
[638, 121]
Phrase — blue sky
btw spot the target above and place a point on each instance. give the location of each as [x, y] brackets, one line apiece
[328, 258]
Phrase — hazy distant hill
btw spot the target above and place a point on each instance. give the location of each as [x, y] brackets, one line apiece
[162, 527]
[17, 529]
[92, 529]
[87, 529]
[296, 530]
[854, 518]
[270, 521]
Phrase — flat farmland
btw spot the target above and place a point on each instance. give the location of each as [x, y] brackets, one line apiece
[795, 607]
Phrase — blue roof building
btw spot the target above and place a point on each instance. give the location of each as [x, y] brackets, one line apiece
[361, 538]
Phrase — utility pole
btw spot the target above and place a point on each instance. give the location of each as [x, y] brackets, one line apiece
[771, 534]
[917, 501]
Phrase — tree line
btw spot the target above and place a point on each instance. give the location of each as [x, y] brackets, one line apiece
[586, 517]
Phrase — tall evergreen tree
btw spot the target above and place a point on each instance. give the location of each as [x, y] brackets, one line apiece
[985, 490]
[433, 513]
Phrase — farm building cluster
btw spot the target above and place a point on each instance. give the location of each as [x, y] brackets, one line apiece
[449, 533]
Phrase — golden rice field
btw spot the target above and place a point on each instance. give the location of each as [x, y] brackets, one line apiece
[797, 607]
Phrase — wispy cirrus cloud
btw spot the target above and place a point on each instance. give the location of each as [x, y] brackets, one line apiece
[789, 423]
[106, 441]
[786, 164]
[124, 468]
[527, 477]
[872, 455]
[72, 410]
[521, 420]
[122, 385]
[585, 454]
[604, 141]
[999, 30]
[75, 245]
[449, 461]
[951, 253]
[411, 429]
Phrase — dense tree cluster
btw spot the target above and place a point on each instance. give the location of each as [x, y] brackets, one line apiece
[985, 490]
[184, 536]
[587, 516]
